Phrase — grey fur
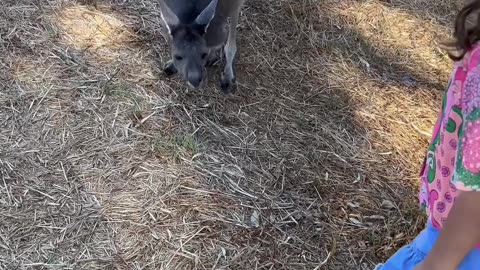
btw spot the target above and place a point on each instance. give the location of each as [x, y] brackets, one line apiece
[197, 29]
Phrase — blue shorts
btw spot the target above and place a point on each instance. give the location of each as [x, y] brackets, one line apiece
[414, 253]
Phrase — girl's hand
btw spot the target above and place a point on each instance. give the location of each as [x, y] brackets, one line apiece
[460, 231]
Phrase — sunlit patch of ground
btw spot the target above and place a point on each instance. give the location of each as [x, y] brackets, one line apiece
[409, 72]
[414, 41]
[109, 41]
[95, 30]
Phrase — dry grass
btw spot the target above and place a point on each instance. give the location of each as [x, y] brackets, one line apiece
[107, 164]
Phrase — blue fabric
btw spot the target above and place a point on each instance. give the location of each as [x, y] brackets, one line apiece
[411, 255]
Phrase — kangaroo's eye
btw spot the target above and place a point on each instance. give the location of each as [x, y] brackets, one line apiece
[178, 57]
[204, 55]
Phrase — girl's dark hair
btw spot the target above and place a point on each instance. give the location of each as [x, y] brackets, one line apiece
[465, 36]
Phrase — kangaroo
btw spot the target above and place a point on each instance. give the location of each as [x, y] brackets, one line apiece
[197, 31]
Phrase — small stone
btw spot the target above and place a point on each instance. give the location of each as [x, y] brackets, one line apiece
[255, 219]
[355, 221]
[388, 204]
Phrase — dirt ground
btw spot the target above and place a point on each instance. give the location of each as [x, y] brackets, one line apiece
[105, 163]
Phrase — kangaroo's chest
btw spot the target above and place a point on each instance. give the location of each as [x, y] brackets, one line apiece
[217, 33]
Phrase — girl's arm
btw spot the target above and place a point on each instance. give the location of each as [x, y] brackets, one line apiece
[459, 235]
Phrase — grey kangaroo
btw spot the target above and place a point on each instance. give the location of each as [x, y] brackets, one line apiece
[197, 31]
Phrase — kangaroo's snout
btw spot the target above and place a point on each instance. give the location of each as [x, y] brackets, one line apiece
[194, 78]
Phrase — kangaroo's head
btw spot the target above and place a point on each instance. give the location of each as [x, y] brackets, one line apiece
[187, 42]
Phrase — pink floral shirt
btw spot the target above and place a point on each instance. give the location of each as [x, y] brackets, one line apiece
[452, 164]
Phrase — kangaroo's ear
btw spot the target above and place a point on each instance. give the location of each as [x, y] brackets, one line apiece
[168, 16]
[206, 16]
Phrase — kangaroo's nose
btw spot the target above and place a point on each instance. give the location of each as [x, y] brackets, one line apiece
[194, 78]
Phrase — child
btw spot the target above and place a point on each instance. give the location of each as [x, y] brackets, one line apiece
[451, 171]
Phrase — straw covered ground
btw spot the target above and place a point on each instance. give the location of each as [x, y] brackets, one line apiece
[105, 163]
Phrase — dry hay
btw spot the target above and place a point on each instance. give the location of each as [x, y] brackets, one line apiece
[93, 29]
[107, 164]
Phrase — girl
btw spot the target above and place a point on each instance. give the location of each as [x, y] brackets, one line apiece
[451, 171]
